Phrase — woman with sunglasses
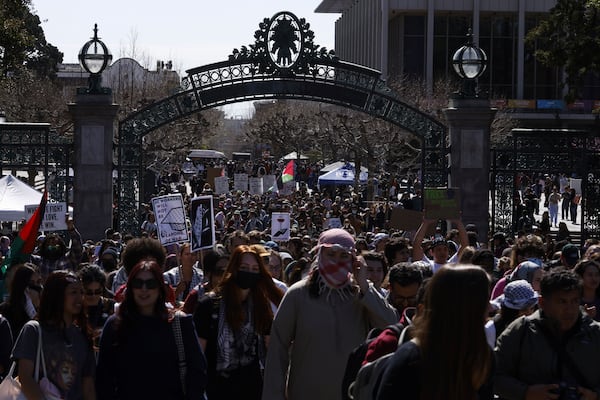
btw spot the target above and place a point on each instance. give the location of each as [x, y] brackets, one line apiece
[96, 306]
[67, 348]
[233, 324]
[24, 296]
[138, 357]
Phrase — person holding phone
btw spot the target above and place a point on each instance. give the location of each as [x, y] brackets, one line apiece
[320, 320]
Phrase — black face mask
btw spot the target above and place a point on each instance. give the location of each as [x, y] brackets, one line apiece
[53, 252]
[246, 280]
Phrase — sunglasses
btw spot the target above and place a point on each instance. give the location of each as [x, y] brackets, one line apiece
[96, 292]
[151, 283]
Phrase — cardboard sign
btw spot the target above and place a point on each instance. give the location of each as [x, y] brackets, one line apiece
[406, 220]
[255, 185]
[212, 174]
[442, 203]
[240, 182]
[280, 226]
[171, 225]
[54, 216]
[221, 185]
[203, 224]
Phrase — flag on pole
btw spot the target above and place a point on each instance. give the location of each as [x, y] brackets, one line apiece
[24, 243]
[288, 172]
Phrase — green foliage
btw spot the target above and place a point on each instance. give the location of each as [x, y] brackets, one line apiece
[569, 38]
[24, 43]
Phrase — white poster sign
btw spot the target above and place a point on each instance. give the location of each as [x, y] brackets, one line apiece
[575, 184]
[255, 185]
[54, 216]
[280, 226]
[269, 183]
[170, 219]
[221, 185]
[288, 188]
[240, 182]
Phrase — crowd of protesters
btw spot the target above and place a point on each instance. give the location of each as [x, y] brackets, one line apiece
[256, 318]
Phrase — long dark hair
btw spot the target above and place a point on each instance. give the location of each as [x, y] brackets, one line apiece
[15, 305]
[262, 294]
[451, 335]
[52, 302]
[128, 308]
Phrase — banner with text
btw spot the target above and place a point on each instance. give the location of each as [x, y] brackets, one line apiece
[54, 217]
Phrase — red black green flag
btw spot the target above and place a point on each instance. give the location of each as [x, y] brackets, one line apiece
[23, 245]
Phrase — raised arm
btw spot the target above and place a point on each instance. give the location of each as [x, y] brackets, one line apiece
[418, 239]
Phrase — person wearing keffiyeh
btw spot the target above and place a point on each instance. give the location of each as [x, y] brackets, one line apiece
[319, 321]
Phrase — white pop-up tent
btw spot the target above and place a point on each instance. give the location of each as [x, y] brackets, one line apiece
[14, 196]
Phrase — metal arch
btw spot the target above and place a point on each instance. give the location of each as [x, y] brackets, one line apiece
[251, 73]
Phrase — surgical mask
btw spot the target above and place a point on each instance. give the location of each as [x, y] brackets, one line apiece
[246, 280]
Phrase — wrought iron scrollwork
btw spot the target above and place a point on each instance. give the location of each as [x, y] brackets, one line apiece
[283, 63]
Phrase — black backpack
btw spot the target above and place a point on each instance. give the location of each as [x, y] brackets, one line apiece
[357, 356]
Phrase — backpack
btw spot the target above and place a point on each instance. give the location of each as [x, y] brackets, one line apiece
[369, 376]
[356, 357]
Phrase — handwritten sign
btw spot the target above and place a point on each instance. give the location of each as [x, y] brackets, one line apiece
[170, 219]
[221, 185]
[240, 182]
[54, 216]
[255, 185]
[442, 203]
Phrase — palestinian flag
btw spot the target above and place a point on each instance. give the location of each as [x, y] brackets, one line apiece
[23, 245]
[288, 172]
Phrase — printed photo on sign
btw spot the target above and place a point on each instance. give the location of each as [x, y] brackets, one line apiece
[170, 219]
[203, 226]
[280, 227]
[54, 216]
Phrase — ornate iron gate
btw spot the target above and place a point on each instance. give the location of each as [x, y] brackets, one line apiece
[283, 63]
[36, 148]
[547, 151]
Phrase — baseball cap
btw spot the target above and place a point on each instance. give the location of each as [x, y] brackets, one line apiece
[571, 254]
[437, 241]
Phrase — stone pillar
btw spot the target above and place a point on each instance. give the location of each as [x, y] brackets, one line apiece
[469, 121]
[94, 116]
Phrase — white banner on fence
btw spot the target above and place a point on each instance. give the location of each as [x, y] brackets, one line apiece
[170, 219]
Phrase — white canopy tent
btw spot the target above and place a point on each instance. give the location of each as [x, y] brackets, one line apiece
[294, 156]
[14, 196]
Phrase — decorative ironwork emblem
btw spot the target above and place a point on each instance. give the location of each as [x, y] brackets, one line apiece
[284, 46]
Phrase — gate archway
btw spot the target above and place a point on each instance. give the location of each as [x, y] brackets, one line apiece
[546, 151]
[283, 63]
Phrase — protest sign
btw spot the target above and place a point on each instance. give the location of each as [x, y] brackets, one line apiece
[212, 174]
[240, 182]
[255, 186]
[280, 226]
[442, 203]
[170, 219]
[406, 220]
[54, 216]
[221, 185]
[270, 183]
[203, 225]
